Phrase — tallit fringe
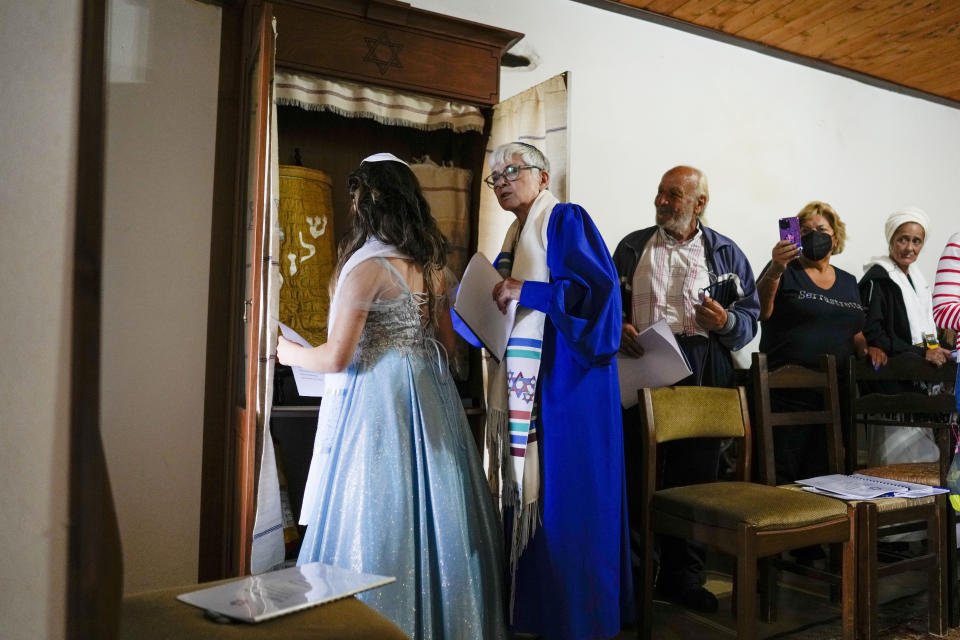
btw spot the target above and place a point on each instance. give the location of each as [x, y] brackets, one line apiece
[526, 520]
[393, 122]
[525, 524]
[496, 441]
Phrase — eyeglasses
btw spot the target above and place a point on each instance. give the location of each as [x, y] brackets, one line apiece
[510, 173]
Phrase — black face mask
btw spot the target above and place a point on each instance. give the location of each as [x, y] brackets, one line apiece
[817, 245]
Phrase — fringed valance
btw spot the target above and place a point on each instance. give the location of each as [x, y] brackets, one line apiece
[383, 105]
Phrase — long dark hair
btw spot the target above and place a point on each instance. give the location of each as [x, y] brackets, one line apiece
[390, 207]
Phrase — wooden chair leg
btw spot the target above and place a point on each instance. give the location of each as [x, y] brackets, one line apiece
[953, 576]
[745, 586]
[769, 590]
[937, 583]
[834, 564]
[644, 595]
[849, 576]
[867, 570]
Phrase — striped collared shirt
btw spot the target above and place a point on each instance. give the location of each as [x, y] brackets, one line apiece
[666, 281]
[946, 290]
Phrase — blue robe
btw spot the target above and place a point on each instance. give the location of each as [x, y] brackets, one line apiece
[574, 579]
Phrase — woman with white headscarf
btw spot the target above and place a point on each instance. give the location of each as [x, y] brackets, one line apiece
[899, 319]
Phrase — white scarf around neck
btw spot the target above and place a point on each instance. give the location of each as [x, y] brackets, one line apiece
[917, 299]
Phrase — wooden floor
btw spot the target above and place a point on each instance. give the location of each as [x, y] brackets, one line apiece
[805, 613]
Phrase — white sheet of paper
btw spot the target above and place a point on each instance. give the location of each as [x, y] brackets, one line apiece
[863, 487]
[477, 308]
[275, 593]
[309, 383]
[661, 365]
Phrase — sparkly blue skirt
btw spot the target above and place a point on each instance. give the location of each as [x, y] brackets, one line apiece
[399, 491]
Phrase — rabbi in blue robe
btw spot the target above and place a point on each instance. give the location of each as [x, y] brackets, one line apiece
[554, 433]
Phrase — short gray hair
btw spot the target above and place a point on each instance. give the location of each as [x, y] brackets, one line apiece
[527, 152]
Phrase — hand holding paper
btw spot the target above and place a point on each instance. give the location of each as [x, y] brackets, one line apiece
[507, 291]
[662, 363]
[629, 344]
[480, 310]
[309, 383]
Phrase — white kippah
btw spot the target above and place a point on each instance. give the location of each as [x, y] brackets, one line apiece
[383, 157]
[903, 216]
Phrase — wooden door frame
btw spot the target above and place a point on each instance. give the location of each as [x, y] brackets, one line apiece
[94, 561]
[228, 480]
[248, 445]
[217, 541]
[227, 488]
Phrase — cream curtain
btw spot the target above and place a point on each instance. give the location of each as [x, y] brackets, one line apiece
[537, 116]
[447, 190]
[386, 106]
[268, 549]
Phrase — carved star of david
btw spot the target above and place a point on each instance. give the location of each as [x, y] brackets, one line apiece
[382, 44]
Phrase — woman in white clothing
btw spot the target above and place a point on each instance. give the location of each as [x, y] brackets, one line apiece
[899, 319]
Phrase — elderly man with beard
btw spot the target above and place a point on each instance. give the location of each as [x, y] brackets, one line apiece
[662, 271]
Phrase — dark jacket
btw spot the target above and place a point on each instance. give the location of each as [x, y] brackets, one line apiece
[887, 326]
[723, 256]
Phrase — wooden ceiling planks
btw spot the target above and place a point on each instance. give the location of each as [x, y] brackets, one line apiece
[777, 21]
[720, 14]
[694, 10]
[751, 14]
[899, 31]
[822, 38]
[911, 43]
[807, 18]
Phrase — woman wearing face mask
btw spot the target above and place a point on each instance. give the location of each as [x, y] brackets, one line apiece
[808, 307]
[899, 320]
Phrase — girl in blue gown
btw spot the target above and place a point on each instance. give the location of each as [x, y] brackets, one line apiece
[395, 485]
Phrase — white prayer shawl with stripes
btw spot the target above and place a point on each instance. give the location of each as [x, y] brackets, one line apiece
[511, 439]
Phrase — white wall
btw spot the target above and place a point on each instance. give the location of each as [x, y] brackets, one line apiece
[161, 126]
[770, 135]
[39, 46]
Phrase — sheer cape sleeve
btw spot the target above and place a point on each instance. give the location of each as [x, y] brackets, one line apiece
[372, 285]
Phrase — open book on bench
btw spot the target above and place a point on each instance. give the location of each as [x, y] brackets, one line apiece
[864, 487]
[276, 593]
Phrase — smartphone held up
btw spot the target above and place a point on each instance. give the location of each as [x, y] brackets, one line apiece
[790, 230]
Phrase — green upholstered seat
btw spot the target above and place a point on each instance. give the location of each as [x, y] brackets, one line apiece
[728, 504]
[158, 615]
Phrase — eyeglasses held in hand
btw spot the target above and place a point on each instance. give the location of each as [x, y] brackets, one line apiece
[510, 173]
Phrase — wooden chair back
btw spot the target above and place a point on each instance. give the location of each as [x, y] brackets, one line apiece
[674, 413]
[795, 377]
[888, 396]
